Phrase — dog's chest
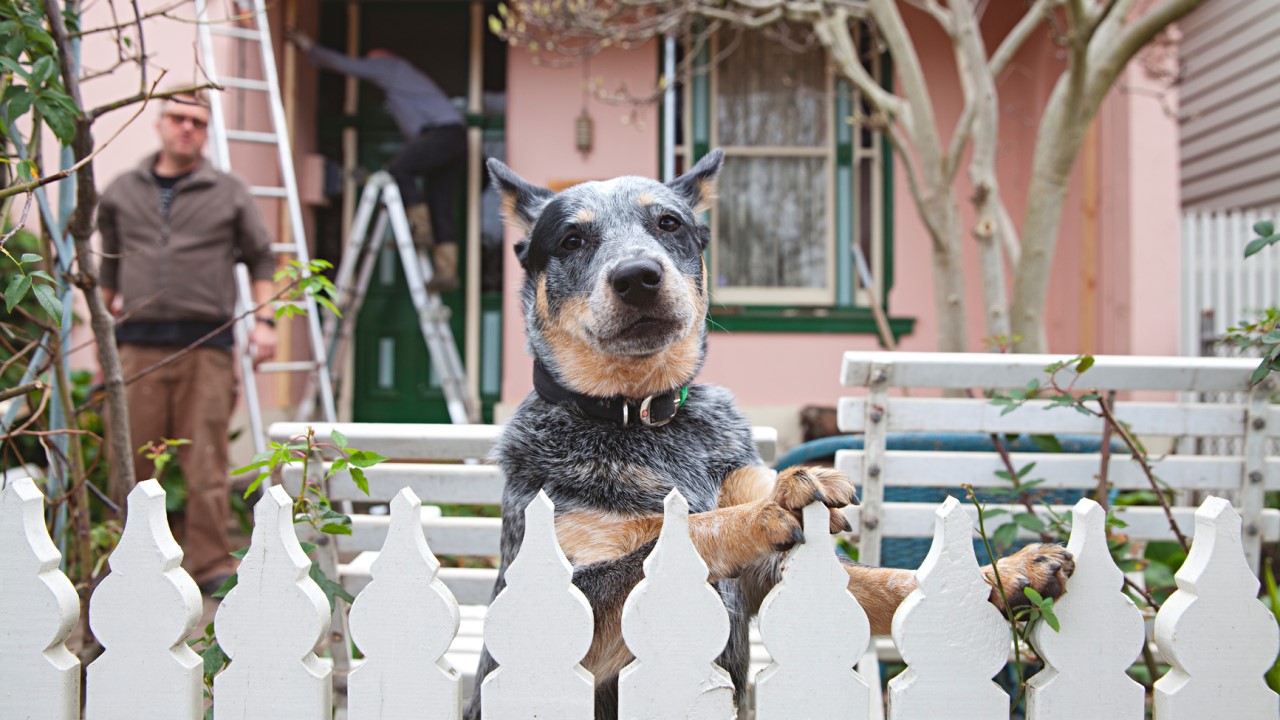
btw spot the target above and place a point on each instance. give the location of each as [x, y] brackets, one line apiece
[601, 466]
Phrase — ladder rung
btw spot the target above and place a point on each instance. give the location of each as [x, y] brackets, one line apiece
[284, 248]
[285, 367]
[267, 191]
[242, 33]
[245, 83]
[253, 136]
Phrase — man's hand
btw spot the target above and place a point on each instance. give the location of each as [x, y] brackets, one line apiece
[262, 342]
[299, 38]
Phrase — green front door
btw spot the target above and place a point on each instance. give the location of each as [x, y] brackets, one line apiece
[394, 379]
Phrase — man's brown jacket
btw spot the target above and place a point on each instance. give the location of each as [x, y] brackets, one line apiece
[182, 269]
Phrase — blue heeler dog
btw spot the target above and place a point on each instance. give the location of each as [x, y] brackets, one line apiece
[615, 304]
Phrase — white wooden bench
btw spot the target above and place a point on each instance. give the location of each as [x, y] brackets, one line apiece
[881, 410]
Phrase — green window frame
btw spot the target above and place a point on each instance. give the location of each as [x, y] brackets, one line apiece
[843, 307]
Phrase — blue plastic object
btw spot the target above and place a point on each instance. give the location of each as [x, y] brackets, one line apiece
[910, 552]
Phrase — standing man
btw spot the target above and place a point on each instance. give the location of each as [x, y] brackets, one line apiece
[435, 145]
[172, 231]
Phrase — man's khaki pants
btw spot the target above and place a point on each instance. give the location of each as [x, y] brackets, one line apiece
[190, 398]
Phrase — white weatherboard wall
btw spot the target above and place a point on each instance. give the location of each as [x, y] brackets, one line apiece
[1219, 637]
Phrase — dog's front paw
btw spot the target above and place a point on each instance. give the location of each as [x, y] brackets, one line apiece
[777, 527]
[1044, 568]
[799, 486]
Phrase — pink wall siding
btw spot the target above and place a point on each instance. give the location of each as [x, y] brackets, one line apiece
[1136, 228]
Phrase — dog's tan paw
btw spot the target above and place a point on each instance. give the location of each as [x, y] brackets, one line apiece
[1045, 568]
[778, 528]
[799, 486]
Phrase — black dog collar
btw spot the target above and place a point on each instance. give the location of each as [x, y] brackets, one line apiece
[654, 410]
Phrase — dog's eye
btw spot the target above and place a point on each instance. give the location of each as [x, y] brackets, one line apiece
[667, 223]
[571, 242]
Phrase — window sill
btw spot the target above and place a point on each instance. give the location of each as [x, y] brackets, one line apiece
[804, 320]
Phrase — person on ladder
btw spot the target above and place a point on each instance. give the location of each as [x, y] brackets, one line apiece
[435, 146]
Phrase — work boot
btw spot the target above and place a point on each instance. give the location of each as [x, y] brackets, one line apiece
[420, 225]
[444, 261]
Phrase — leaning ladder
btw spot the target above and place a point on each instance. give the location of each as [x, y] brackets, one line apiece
[382, 195]
[251, 27]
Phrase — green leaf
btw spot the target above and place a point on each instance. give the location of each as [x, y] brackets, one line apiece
[335, 529]
[1255, 246]
[1259, 373]
[1005, 535]
[994, 512]
[1085, 363]
[330, 588]
[1035, 597]
[1265, 228]
[365, 458]
[1050, 618]
[226, 587]
[308, 548]
[1046, 443]
[253, 466]
[48, 300]
[1026, 469]
[1030, 521]
[254, 485]
[240, 553]
[357, 476]
[214, 659]
[30, 258]
[1004, 474]
[18, 287]
[338, 438]
[44, 68]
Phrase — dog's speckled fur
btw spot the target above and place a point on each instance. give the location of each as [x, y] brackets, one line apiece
[597, 334]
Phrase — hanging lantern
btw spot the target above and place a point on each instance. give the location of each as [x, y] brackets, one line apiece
[583, 132]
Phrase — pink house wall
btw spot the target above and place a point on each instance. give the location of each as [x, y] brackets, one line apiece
[1136, 192]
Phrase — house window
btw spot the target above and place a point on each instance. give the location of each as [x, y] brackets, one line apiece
[802, 196]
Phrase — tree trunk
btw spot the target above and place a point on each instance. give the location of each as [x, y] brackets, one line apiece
[948, 272]
[1062, 132]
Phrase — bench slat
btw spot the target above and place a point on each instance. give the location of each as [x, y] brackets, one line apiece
[979, 415]
[1111, 372]
[440, 441]
[916, 520]
[912, 468]
[445, 535]
[437, 483]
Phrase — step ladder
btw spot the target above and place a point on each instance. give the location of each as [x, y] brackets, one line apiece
[249, 27]
[380, 210]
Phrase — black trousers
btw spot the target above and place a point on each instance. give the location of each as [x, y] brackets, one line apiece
[437, 155]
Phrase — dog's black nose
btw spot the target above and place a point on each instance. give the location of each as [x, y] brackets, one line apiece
[637, 281]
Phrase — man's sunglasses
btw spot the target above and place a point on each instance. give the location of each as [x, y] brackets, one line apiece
[196, 123]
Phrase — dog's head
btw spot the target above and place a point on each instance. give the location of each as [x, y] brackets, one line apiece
[615, 293]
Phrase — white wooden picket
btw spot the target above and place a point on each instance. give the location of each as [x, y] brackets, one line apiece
[952, 639]
[815, 630]
[1219, 638]
[403, 623]
[1101, 635]
[39, 677]
[676, 625]
[538, 630]
[146, 580]
[269, 625]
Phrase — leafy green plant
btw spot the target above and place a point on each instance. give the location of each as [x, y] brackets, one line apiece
[311, 507]
[1260, 333]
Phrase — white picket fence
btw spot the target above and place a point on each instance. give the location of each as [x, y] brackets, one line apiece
[1217, 277]
[1217, 636]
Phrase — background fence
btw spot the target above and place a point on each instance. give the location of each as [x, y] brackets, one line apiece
[1219, 639]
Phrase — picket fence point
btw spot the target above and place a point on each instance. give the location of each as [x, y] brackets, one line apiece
[538, 630]
[950, 635]
[1218, 637]
[269, 625]
[39, 677]
[815, 631]
[403, 622]
[146, 580]
[1102, 633]
[676, 625]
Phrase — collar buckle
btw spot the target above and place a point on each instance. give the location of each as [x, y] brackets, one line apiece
[660, 415]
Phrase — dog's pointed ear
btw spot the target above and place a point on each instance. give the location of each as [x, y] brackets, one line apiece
[698, 186]
[522, 202]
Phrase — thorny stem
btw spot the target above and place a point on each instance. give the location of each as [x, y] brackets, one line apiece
[1104, 469]
[995, 570]
[1141, 458]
